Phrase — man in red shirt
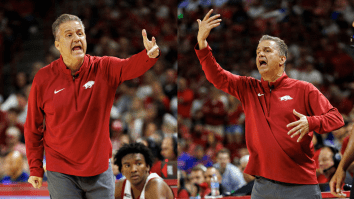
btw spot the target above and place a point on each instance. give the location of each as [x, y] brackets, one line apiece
[277, 109]
[73, 96]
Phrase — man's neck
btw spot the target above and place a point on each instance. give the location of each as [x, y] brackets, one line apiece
[222, 170]
[73, 64]
[274, 77]
[137, 189]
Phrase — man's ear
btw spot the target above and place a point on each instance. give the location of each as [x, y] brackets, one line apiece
[57, 45]
[148, 168]
[282, 60]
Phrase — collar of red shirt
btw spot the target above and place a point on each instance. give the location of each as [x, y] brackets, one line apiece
[275, 84]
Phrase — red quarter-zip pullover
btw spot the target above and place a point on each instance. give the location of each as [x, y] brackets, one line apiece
[76, 109]
[269, 108]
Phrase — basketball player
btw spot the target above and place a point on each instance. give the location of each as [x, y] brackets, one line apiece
[134, 162]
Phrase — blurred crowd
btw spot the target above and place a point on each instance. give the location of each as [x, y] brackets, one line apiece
[145, 108]
[318, 37]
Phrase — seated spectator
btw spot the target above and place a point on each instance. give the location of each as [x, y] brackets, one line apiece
[185, 99]
[246, 189]
[212, 146]
[183, 163]
[208, 174]
[197, 181]
[182, 191]
[317, 141]
[214, 113]
[329, 159]
[236, 119]
[14, 169]
[199, 157]
[10, 119]
[232, 178]
[168, 152]
[13, 136]
[243, 163]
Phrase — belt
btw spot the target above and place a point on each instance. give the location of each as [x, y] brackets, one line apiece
[277, 182]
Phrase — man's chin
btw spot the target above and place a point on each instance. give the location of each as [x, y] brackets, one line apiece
[78, 55]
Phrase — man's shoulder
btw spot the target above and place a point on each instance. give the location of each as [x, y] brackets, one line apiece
[46, 72]
[157, 183]
[296, 82]
[157, 186]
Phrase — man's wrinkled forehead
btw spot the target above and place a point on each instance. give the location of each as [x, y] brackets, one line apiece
[267, 44]
[70, 26]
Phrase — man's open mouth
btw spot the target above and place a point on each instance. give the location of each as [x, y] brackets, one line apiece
[262, 63]
[76, 48]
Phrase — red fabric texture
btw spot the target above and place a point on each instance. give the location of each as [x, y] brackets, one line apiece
[185, 99]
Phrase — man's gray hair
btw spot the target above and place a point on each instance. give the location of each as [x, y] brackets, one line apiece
[282, 47]
[62, 19]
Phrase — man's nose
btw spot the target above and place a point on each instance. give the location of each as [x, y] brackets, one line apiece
[134, 168]
[76, 37]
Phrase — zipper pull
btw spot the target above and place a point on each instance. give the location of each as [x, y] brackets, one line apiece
[271, 87]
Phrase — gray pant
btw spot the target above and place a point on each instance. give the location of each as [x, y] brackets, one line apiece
[69, 187]
[269, 189]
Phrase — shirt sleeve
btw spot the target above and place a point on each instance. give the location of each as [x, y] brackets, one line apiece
[220, 78]
[323, 118]
[34, 133]
[119, 70]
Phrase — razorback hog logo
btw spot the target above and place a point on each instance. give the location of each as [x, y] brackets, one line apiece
[89, 84]
[285, 98]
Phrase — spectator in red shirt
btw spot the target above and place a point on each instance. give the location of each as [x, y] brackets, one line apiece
[168, 152]
[10, 119]
[214, 113]
[185, 99]
[13, 136]
[234, 130]
[212, 146]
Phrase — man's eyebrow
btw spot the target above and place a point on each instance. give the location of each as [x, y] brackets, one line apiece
[69, 30]
[264, 47]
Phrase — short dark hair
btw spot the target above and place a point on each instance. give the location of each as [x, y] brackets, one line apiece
[62, 19]
[282, 47]
[133, 148]
[223, 150]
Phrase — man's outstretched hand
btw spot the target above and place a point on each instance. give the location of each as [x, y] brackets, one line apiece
[151, 47]
[205, 27]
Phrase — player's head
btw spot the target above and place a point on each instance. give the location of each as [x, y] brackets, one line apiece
[133, 148]
[134, 162]
[272, 53]
[70, 38]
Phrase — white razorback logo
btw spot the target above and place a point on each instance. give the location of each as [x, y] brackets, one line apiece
[285, 98]
[89, 84]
